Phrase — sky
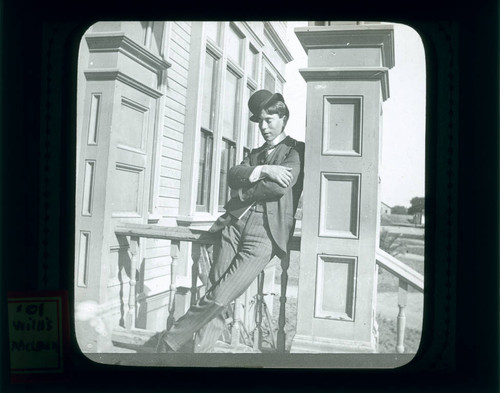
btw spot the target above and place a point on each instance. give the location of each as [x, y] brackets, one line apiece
[402, 169]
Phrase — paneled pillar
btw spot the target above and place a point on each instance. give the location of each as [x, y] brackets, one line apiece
[347, 82]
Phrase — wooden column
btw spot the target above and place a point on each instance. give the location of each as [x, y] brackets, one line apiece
[347, 82]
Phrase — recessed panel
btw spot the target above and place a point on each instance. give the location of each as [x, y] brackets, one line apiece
[335, 287]
[342, 125]
[126, 190]
[339, 205]
[83, 259]
[88, 188]
[95, 109]
[133, 122]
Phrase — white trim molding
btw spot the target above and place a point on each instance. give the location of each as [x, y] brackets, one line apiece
[106, 74]
[349, 74]
[277, 41]
[350, 36]
[119, 42]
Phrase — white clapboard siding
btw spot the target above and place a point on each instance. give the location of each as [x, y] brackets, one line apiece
[171, 153]
[174, 105]
[170, 202]
[170, 173]
[156, 268]
[172, 183]
[178, 96]
[169, 193]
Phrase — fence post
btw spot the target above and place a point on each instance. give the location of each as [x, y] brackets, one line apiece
[402, 301]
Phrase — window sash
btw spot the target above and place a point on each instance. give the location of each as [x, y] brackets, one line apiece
[269, 81]
[252, 62]
[228, 160]
[213, 30]
[209, 92]
[205, 171]
[225, 129]
[250, 137]
[231, 106]
[234, 45]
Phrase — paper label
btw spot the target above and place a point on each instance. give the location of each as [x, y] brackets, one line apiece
[37, 333]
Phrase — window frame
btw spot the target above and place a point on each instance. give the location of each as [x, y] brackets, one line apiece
[238, 141]
[189, 214]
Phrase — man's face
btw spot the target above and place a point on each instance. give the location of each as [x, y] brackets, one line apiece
[270, 125]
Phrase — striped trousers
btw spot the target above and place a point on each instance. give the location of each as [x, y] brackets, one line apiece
[245, 250]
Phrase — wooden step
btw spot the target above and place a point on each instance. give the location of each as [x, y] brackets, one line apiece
[145, 341]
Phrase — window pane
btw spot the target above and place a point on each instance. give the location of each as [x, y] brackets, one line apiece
[208, 106]
[205, 171]
[269, 82]
[231, 105]
[228, 159]
[234, 45]
[213, 31]
[279, 87]
[251, 125]
[252, 58]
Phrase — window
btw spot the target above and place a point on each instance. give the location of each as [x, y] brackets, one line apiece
[229, 133]
[205, 171]
[230, 76]
[231, 106]
[213, 31]
[228, 159]
[234, 45]
[269, 81]
[252, 62]
[208, 112]
[208, 107]
[250, 136]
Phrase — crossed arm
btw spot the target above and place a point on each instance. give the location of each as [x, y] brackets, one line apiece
[275, 180]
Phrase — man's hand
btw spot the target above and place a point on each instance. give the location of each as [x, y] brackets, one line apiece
[279, 174]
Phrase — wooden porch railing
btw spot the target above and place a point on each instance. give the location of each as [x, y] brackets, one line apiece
[407, 277]
[176, 235]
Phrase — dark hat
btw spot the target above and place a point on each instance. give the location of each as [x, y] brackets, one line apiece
[260, 100]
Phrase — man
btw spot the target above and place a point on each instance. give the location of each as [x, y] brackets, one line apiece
[257, 225]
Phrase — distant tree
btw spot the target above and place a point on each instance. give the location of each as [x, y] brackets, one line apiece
[417, 205]
[399, 210]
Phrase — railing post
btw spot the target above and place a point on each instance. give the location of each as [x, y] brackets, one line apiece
[194, 282]
[281, 336]
[257, 337]
[235, 329]
[402, 301]
[376, 333]
[134, 247]
[174, 253]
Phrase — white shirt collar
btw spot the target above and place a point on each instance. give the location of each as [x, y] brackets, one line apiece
[276, 140]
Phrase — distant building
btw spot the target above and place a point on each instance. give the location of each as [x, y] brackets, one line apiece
[419, 218]
[385, 208]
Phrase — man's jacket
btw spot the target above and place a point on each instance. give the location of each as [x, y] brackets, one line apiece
[280, 203]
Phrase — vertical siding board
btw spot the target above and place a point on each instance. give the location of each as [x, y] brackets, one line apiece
[155, 270]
